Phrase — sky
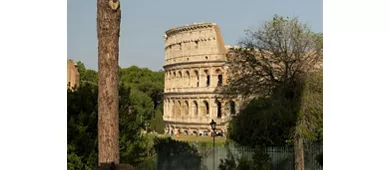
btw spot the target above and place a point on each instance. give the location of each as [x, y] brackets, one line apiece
[145, 21]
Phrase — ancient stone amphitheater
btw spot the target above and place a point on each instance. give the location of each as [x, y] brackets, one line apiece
[194, 68]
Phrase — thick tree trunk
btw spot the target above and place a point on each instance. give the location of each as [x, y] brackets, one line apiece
[108, 27]
[299, 154]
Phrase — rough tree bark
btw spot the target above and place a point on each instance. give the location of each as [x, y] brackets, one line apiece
[299, 154]
[108, 28]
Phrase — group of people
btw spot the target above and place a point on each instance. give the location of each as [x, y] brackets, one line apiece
[204, 133]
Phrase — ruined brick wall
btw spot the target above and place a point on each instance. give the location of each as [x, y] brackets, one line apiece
[73, 78]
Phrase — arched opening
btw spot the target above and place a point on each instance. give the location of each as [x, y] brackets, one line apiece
[186, 108]
[232, 108]
[219, 73]
[207, 78]
[188, 78]
[219, 80]
[219, 109]
[179, 79]
[195, 107]
[174, 110]
[197, 78]
[206, 107]
[173, 82]
[179, 109]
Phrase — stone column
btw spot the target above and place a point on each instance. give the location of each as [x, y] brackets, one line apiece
[195, 111]
[192, 78]
[210, 108]
[197, 79]
[182, 84]
[202, 81]
[226, 108]
[165, 81]
[214, 80]
[214, 110]
[173, 109]
[168, 80]
[177, 80]
[172, 82]
[180, 111]
[184, 109]
[188, 79]
[165, 108]
[201, 112]
[180, 79]
[170, 112]
[223, 109]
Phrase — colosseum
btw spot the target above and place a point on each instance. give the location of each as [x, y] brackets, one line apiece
[194, 67]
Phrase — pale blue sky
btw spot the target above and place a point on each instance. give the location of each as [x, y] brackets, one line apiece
[145, 21]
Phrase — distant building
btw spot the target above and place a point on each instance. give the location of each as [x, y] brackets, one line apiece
[195, 57]
[73, 74]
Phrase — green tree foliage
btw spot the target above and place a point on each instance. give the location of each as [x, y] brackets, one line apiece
[87, 75]
[155, 90]
[157, 124]
[310, 114]
[137, 107]
[149, 82]
[272, 127]
[136, 75]
[82, 127]
[278, 64]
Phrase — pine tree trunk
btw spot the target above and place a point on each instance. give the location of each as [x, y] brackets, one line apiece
[299, 154]
[108, 27]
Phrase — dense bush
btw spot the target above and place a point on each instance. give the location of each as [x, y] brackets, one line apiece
[174, 154]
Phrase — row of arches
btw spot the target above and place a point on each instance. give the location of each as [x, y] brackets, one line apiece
[193, 78]
[198, 108]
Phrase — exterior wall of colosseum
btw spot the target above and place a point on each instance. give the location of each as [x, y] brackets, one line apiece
[194, 68]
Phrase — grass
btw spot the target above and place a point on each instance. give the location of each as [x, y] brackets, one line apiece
[206, 140]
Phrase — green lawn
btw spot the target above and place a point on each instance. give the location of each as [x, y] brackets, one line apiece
[207, 140]
[202, 140]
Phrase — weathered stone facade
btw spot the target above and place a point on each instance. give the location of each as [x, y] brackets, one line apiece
[73, 74]
[195, 58]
